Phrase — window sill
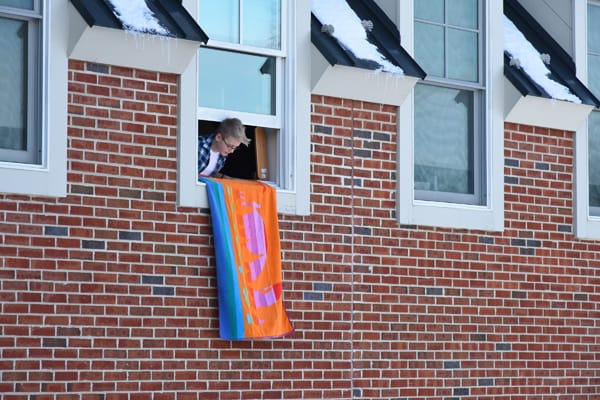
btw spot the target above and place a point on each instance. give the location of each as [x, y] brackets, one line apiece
[446, 215]
[288, 202]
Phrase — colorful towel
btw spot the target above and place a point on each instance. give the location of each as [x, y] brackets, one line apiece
[248, 253]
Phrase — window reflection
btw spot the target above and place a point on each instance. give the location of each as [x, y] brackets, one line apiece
[236, 81]
[430, 51]
[594, 158]
[13, 84]
[262, 23]
[254, 23]
[593, 42]
[463, 13]
[26, 4]
[462, 60]
[430, 10]
[444, 144]
[220, 19]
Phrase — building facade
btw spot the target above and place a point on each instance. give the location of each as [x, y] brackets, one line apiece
[439, 231]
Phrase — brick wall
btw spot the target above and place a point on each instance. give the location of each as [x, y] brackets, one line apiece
[110, 293]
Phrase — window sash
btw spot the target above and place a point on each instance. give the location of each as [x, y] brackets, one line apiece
[30, 151]
[449, 163]
[234, 21]
[593, 126]
[469, 127]
[276, 121]
[439, 30]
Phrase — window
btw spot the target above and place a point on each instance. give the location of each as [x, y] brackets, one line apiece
[241, 73]
[593, 41]
[450, 142]
[587, 139]
[252, 68]
[33, 108]
[448, 150]
[20, 81]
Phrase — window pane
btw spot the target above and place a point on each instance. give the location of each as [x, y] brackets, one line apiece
[443, 144]
[220, 19]
[262, 23]
[13, 84]
[430, 10]
[463, 55]
[593, 29]
[26, 4]
[463, 13]
[594, 74]
[236, 81]
[429, 52]
[594, 158]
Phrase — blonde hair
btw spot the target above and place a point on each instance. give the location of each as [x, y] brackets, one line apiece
[233, 128]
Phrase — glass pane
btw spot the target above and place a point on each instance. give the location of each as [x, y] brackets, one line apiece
[462, 55]
[261, 23]
[430, 10]
[220, 19]
[26, 4]
[463, 13]
[594, 74]
[444, 144]
[236, 81]
[429, 52]
[593, 28]
[594, 158]
[13, 84]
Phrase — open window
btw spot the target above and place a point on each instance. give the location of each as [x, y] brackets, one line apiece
[257, 161]
[242, 73]
[254, 68]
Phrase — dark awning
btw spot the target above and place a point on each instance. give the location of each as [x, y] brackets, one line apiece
[384, 36]
[170, 13]
[561, 65]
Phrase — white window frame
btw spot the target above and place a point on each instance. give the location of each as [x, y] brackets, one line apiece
[489, 216]
[586, 225]
[293, 196]
[48, 178]
[30, 155]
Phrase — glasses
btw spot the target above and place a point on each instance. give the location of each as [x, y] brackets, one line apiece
[229, 146]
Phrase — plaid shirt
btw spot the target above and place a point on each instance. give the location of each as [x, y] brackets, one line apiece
[204, 143]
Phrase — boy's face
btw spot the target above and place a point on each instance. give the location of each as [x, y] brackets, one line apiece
[227, 145]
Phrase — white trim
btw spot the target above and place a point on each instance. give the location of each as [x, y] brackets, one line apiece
[133, 50]
[367, 85]
[295, 198]
[540, 111]
[49, 179]
[491, 215]
[252, 119]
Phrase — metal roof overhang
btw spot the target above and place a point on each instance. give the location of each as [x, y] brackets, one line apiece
[334, 66]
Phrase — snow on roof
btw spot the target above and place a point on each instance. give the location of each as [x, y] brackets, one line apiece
[525, 56]
[349, 31]
[136, 16]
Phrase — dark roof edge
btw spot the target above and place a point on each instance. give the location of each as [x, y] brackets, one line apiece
[95, 14]
[170, 13]
[384, 36]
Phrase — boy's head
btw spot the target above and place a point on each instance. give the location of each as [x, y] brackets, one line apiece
[232, 128]
[230, 134]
